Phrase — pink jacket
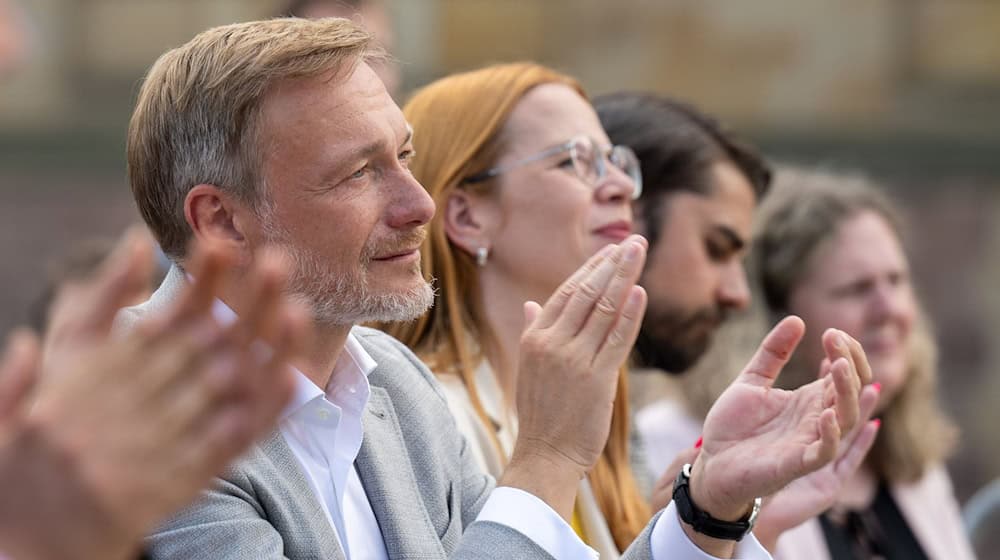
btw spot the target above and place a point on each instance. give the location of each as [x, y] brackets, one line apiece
[929, 507]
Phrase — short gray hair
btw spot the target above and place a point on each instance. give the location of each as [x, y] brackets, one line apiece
[196, 119]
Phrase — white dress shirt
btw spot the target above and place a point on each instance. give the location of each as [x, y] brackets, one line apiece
[324, 432]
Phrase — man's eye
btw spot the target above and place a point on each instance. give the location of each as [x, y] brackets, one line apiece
[360, 173]
[406, 156]
[716, 251]
[568, 162]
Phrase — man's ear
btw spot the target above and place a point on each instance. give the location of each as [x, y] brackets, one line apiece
[217, 218]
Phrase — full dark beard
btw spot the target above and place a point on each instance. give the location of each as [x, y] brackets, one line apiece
[663, 354]
[674, 346]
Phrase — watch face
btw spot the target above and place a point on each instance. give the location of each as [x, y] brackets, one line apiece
[753, 514]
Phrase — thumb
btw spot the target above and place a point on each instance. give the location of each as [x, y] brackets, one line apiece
[531, 311]
[123, 275]
[18, 374]
[773, 353]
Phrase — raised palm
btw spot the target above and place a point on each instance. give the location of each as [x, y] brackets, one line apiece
[758, 439]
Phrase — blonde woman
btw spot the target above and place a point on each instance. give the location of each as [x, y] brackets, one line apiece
[828, 248]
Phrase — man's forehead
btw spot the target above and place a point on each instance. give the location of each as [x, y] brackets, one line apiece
[336, 99]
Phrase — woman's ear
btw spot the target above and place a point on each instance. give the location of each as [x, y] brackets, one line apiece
[470, 221]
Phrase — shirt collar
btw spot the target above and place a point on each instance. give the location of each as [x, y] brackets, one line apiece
[353, 357]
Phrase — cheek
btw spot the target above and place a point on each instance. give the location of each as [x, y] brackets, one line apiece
[907, 312]
[547, 218]
[820, 313]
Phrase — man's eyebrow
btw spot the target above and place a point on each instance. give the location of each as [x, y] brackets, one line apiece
[368, 150]
[736, 242]
[371, 149]
[409, 136]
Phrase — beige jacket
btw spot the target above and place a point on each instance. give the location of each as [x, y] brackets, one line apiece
[929, 508]
[490, 459]
[929, 505]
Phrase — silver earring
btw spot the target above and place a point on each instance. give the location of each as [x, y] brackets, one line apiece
[481, 254]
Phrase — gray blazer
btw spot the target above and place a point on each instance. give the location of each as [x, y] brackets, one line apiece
[423, 484]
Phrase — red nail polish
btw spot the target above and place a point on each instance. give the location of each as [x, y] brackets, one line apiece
[697, 444]
[878, 387]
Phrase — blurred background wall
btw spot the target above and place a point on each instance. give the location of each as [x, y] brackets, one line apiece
[908, 90]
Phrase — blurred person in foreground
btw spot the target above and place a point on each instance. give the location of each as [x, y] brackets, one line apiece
[528, 187]
[828, 247]
[14, 38]
[701, 186]
[108, 436]
[373, 15]
[74, 268]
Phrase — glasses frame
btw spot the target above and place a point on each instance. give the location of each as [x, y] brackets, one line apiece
[607, 155]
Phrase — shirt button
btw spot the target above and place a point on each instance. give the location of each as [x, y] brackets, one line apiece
[323, 413]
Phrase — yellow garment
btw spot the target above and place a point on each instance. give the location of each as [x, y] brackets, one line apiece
[577, 523]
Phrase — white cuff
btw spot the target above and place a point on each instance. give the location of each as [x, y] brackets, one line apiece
[527, 514]
[668, 540]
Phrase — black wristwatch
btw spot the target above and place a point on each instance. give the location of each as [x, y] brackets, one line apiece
[701, 521]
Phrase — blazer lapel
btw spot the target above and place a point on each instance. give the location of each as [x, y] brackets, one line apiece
[385, 471]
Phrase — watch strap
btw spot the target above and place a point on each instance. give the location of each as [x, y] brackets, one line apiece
[700, 520]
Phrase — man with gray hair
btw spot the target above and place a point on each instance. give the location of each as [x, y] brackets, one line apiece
[278, 133]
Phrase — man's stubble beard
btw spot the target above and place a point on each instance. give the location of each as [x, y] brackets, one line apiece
[345, 299]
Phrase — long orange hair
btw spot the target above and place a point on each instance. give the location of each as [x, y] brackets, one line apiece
[457, 124]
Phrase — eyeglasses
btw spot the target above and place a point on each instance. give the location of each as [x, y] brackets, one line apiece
[589, 161]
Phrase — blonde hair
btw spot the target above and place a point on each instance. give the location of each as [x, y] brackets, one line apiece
[458, 123]
[803, 210]
[196, 119]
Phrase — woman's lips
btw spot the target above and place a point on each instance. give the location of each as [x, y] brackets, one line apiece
[616, 231]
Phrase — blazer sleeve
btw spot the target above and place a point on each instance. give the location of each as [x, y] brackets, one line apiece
[225, 524]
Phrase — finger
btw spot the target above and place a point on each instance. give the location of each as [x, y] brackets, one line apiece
[845, 385]
[867, 402]
[194, 398]
[531, 312]
[203, 452]
[860, 359]
[621, 339]
[206, 267]
[773, 353]
[824, 449]
[684, 457]
[605, 312]
[294, 330]
[259, 319]
[857, 450]
[553, 308]
[120, 279]
[824, 368]
[663, 489]
[18, 373]
[837, 344]
[598, 298]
